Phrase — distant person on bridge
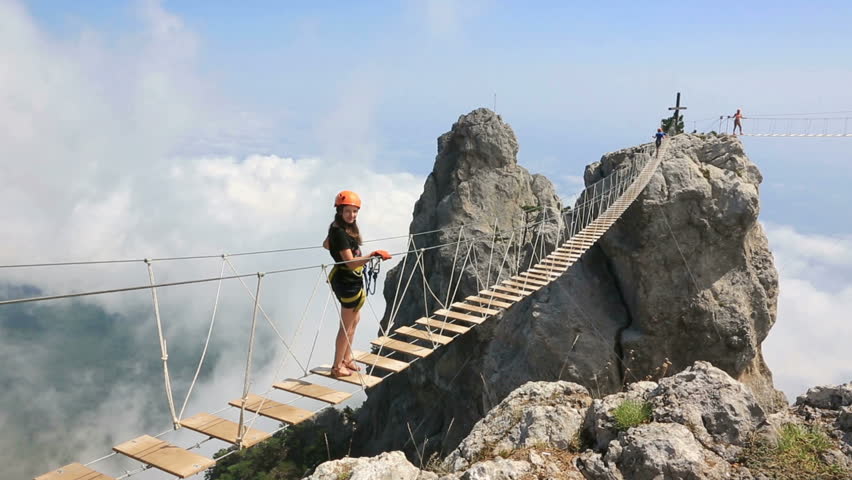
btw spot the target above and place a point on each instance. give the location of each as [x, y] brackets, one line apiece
[659, 139]
[738, 121]
[344, 244]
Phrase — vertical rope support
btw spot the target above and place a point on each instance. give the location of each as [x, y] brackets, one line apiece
[164, 350]
[206, 342]
[491, 254]
[453, 269]
[247, 383]
[394, 306]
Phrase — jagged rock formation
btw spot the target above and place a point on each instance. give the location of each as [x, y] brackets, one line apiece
[637, 304]
[701, 424]
[693, 264]
[476, 183]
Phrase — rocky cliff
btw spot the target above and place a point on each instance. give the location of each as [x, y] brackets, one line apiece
[698, 424]
[685, 275]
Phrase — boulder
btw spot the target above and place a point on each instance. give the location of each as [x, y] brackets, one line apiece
[387, 466]
[600, 424]
[720, 411]
[831, 397]
[538, 414]
[654, 451]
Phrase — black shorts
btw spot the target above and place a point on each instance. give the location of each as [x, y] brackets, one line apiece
[348, 287]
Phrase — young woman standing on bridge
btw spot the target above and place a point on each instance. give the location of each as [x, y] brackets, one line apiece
[344, 244]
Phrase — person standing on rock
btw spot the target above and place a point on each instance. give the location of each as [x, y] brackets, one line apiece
[738, 121]
[659, 139]
[344, 244]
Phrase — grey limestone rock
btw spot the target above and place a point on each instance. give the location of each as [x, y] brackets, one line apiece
[720, 411]
[386, 466]
[498, 469]
[654, 451]
[693, 264]
[475, 185]
[600, 424]
[828, 396]
[536, 414]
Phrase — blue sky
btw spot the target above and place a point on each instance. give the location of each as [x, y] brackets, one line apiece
[574, 80]
[148, 128]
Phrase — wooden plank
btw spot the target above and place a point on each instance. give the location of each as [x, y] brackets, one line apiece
[543, 266]
[488, 301]
[534, 279]
[270, 408]
[548, 273]
[504, 296]
[450, 327]
[474, 308]
[459, 316]
[527, 276]
[573, 255]
[403, 347]
[223, 429]
[310, 390]
[569, 251]
[379, 361]
[424, 335]
[357, 378]
[532, 276]
[74, 471]
[164, 456]
[511, 289]
[521, 285]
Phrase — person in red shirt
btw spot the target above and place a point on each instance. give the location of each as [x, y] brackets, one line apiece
[346, 278]
[738, 117]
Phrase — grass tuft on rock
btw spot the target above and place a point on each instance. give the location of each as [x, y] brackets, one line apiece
[631, 413]
[797, 455]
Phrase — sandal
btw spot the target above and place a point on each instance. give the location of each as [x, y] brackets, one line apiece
[340, 371]
[351, 365]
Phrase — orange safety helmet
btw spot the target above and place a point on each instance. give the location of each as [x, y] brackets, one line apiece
[347, 197]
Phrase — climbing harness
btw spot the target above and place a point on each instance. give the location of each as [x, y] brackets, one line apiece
[371, 275]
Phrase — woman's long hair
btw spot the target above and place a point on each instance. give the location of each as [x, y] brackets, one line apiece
[350, 228]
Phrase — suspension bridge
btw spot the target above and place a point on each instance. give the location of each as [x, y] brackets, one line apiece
[597, 208]
[790, 125]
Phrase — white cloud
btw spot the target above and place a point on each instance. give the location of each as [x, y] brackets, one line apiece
[88, 134]
[446, 18]
[809, 344]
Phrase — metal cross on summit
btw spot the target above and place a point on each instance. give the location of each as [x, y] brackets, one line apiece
[677, 108]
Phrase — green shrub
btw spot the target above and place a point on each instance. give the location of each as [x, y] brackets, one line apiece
[631, 413]
[796, 455]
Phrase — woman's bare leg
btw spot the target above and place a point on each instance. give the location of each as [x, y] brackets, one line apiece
[342, 349]
[353, 324]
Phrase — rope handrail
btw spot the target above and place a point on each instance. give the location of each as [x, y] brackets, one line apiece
[213, 279]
